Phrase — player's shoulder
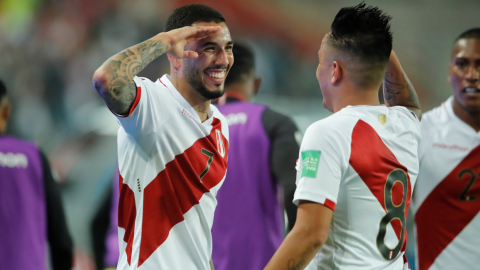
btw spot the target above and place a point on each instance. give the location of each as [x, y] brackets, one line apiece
[337, 125]
[435, 119]
[11, 140]
[436, 116]
[340, 120]
[152, 86]
[217, 114]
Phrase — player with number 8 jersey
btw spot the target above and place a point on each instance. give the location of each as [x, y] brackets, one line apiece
[355, 162]
[357, 168]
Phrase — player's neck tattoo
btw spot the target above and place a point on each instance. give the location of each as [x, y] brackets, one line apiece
[200, 111]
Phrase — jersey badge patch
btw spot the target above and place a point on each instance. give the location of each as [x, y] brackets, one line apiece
[310, 161]
[382, 118]
[220, 144]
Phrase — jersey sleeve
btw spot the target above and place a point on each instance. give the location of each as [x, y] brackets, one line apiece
[148, 110]
[320, 166]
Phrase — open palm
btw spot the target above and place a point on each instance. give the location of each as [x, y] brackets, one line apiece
[181, 36]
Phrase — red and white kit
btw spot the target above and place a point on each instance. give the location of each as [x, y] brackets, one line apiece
[447, 197]
[171, 167]
[361, 162]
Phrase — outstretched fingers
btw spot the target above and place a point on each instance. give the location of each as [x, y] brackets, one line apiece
[201, 32]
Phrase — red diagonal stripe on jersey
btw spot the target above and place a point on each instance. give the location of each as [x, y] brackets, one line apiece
[373, 162]
[127, 213]
[442, 215]
[178, 188]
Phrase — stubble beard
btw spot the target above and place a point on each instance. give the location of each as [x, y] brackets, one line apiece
[192, 76]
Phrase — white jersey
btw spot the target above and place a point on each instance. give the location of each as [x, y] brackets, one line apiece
[447, 197]
[171, 167]
[361, 162]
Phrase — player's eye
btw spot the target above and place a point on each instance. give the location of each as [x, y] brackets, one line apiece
[461, 62]
[210, 49]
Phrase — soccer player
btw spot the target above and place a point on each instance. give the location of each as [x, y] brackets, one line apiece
[172, 144]
[31, 211]
[249, 217]
[447, 199]
[357, 168]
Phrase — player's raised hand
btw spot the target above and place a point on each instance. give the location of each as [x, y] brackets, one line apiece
[181, 36]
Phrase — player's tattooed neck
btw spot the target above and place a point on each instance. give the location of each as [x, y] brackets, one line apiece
[200, 111]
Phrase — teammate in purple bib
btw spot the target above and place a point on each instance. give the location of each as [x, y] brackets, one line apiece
[31, 212]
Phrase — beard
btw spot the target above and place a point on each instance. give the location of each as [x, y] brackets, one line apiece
[192, 76]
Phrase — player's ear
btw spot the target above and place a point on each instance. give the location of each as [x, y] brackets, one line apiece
[256, 85]
[174, 61]
[337, 73]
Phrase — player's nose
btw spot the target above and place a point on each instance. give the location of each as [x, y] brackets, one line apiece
[473, 74]
[221, 58]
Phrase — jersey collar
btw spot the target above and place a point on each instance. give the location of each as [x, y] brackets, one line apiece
[448, 105]
[165, 80]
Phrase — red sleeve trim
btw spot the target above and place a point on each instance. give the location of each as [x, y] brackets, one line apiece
[137, 99]
[329, 204]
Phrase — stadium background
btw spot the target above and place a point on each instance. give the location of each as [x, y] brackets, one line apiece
[49, 50]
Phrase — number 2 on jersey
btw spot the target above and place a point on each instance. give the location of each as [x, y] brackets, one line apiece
[394, 212]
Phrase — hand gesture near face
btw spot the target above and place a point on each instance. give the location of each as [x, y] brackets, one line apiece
[181, 36]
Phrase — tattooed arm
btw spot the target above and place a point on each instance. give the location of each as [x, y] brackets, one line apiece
[114, 79]
[305, 239]
[397, 88]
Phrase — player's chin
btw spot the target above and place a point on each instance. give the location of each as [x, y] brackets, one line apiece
[213, 93]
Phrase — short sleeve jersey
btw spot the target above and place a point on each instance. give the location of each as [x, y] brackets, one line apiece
[171, 166]
[362, 163]
[447, 198]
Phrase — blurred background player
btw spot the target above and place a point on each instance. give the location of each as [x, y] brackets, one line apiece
[105, 229]
[172, 145]
[249, 217]
[357, 168]
[447, 198]
[31, 211]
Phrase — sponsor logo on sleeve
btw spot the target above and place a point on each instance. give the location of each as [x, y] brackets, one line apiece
[310, 161]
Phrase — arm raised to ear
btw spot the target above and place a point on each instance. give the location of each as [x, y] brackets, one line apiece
[397, 88]
[113, 80]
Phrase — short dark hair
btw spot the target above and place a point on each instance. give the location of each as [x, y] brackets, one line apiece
[244, 64]
[364, 32]
[3, 90]
[190, 14]
[470, 33]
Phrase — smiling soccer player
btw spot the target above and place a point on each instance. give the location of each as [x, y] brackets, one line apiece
[172, 143]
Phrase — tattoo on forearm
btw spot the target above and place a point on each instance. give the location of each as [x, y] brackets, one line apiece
[122, 68]
[393, 88]
[292, 265]
[412, 95]
[390, 89]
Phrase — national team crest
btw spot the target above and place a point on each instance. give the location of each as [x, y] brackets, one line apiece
[220, 143]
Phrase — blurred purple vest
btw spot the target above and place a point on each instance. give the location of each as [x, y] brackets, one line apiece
[23, 221]
[112, 252]
[248, 224]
